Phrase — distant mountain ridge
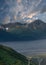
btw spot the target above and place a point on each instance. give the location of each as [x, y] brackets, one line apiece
[23, 32]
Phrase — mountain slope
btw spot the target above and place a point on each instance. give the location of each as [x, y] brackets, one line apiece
[23, 32]
[38, 24]
[10, 57]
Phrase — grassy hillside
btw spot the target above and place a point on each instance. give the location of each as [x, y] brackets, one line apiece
[11, 57]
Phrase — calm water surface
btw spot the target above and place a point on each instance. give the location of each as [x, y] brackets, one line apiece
[28, 48]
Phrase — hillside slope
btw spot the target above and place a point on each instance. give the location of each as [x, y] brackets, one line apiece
[11, 57]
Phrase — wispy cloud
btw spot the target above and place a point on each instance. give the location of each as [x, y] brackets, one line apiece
[19, 1]
[19, 9]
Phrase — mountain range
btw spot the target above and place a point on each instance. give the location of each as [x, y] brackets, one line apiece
[23, 32]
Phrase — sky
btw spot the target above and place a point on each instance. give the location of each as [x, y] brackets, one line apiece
[22, 11]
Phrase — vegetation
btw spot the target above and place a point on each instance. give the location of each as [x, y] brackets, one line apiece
[11, 57]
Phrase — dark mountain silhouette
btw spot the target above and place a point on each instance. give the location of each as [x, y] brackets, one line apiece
[37, 24]
[23, 32]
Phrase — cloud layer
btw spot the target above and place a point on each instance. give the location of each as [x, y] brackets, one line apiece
[18, 10]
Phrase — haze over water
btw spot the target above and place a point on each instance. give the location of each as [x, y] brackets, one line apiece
[28, 48]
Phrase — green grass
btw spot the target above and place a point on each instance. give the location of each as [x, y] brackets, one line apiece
[11, 57]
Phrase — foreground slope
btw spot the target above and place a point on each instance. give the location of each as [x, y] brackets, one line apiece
[11, 57]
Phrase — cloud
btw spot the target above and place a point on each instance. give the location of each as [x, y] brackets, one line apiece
[6, 20]
[19, 9]
[32, 14]
[42, 16]
[41, 6]
[19, 1]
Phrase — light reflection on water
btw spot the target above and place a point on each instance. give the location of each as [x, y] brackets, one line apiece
[28, 48]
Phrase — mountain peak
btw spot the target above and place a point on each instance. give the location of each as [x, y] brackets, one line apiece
[37, 25]
[38, 22]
